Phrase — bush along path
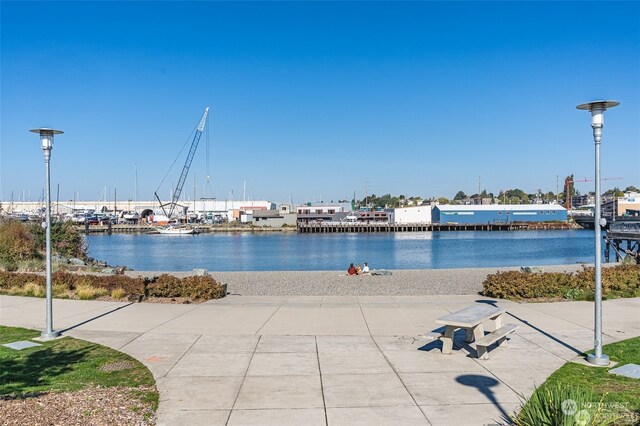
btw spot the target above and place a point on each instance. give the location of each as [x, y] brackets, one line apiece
[164, 288]
[72, 382]
[618, 281]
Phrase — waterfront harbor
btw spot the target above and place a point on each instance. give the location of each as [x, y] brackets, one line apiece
[333, 227]
[336, 227]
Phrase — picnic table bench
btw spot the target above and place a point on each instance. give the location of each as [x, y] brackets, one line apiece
[470, 319]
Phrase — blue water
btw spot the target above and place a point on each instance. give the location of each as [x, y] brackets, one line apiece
[315, 252]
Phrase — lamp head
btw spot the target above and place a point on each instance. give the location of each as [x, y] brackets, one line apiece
[597, 109]
[46, 136]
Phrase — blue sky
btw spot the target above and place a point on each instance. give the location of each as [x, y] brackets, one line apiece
[317, 100]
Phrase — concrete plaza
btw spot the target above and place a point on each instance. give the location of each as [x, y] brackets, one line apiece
[336, 360]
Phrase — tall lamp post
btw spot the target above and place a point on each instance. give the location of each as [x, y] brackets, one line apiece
[46, 140]
[597, 109]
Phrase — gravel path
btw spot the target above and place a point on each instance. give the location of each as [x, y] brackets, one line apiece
[414, 282]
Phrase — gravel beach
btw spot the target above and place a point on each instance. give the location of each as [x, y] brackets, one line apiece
[416, 282]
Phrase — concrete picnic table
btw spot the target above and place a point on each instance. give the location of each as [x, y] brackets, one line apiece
[470, 319]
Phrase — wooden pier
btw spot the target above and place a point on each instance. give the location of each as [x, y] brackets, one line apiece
[148, 229]
[624, 238]
[331, 227]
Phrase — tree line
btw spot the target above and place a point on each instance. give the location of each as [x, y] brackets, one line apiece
[509, 196]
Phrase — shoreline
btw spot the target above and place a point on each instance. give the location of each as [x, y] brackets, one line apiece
[404, 282]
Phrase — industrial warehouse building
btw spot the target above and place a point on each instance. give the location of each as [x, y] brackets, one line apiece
[412, 214]
[498, 213]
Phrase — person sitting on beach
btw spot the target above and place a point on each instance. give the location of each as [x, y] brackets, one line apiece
[365, 270]
[352, 270]
[358, 269]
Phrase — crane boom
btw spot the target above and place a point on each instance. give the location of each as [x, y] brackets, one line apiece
[187, 165]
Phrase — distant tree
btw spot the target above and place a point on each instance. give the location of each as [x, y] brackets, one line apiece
[631, 189]
[550, 196]
[615, 192]
[443, 200]
[484, 194]
[460, 195]
[515, 193]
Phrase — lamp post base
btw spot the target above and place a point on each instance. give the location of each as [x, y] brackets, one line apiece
[49, 336]
[602, 361]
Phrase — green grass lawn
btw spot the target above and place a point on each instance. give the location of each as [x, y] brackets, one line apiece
[618, 394]
[66, 364]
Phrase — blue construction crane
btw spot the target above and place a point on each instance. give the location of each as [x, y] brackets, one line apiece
[185, 169]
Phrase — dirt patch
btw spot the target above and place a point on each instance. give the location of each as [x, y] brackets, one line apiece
[91, 406]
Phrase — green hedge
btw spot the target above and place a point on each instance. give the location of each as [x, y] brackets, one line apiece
[194, 288]
[618, 281]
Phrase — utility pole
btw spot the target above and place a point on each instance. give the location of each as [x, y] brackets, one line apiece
[366, 193]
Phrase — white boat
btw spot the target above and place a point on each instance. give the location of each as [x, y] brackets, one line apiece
[176, 231]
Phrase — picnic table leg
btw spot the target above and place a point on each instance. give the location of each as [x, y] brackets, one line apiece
[498, 323]
[478, 332]
[468, 335]
[447, 339]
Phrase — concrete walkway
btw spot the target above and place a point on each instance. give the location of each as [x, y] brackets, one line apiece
[336, 360]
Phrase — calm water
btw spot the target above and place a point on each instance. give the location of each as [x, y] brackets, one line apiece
[309, 252]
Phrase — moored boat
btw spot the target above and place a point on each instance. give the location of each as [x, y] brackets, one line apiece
[172, 230]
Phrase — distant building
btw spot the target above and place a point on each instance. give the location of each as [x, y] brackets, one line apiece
[498, 213]
[319, 212]
[630, 201]
[621, 206]
[275, 218]
[583, 200]
[415, 214]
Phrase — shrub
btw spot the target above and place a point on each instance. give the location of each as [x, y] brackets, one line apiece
[89, 292]
[562, 405]
[10, 279]
[118, 293]
[33, 290]
[518, 285]
[193, 288]
[31, 265]
[618, 281]
[87, 286]
[16, 242]
[60, 291]
[66, 240]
